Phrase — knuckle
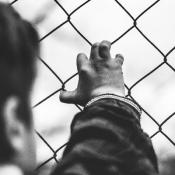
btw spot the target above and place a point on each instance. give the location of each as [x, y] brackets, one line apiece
[105, 43]
[84, 70]
[103, 47]
[95, 45]
[80, 55]
[116, 65]
[120, 56]
[119, 59]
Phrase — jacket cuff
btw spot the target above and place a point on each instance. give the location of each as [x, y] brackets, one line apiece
[125, 100]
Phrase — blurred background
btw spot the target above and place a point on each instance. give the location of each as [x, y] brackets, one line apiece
[146, 40]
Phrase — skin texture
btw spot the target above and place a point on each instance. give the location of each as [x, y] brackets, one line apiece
[98, 75]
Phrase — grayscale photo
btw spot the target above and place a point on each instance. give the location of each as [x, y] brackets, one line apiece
[87, 87]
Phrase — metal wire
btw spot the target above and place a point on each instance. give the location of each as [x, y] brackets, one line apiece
[129, 89]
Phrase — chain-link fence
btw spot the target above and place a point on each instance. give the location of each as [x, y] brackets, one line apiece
[134, 26]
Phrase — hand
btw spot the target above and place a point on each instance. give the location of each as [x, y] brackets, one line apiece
[98, 75]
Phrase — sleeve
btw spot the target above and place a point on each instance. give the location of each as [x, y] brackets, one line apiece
[106, 139]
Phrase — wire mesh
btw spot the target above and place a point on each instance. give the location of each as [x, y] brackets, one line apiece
[134, 26]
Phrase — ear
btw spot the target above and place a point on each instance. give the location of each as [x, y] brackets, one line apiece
[14, 128]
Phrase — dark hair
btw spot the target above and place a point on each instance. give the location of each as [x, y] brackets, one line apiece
[19, 48]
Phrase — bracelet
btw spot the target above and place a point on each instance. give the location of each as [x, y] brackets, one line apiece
[116, 97]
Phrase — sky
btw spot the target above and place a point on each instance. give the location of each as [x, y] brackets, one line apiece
[103, 20]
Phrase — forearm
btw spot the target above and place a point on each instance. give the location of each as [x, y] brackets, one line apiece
[106, 138]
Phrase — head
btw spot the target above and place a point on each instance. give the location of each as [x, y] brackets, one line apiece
[18, 51]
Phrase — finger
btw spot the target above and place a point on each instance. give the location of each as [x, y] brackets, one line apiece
[119, 58]
[82, 61]
[104, 49]
[68, 96]
[94, 51]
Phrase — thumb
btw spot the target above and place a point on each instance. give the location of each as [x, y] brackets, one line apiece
[68, 96]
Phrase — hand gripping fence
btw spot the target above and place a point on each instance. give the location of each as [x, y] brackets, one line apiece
[129, 89]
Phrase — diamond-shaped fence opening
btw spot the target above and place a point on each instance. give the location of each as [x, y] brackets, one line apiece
[140, 30]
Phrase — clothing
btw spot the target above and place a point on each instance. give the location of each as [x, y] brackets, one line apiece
[107, 139]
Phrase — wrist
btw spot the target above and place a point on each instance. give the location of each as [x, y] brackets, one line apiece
[116, 97]
[100, 91]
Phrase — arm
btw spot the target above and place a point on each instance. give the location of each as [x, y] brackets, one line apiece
[106, 137]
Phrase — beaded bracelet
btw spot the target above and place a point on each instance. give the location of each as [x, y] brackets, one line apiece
[117, 97]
